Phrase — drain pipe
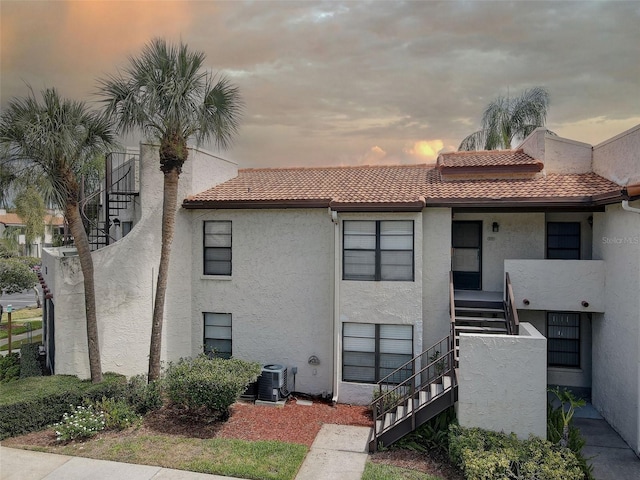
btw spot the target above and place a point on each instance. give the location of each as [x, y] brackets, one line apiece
[336, 303]
[625, 206]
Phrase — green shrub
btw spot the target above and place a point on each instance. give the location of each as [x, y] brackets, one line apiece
[485, 455]
[432, 435]
[81, 422]
[29, 364]
[210, 384]
[560, 428]
[118, 413]
[9, 367]
[142, 396]
[33, 403]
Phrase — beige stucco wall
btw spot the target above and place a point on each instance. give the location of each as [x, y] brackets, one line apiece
[559, 155]
[616, 333]
[618, 158]
[436, 265]
[491, 391]
[521, 236]
[279, 293]
[125, 277]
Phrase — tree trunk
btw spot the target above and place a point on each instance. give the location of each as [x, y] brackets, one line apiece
[72, 213]
[169, 205]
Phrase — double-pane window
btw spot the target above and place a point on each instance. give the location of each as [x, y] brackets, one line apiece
[378, 250]
[217, 334]
[217, 248]
[370, 351]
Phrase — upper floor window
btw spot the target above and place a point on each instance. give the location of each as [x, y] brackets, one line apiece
[217, 334]
[563, 240]
[217, 248]
[378, 250]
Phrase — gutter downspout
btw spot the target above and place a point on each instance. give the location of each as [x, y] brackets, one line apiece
[336, 303]
[625, 206]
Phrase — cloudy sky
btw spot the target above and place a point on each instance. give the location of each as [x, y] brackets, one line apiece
[352, 82]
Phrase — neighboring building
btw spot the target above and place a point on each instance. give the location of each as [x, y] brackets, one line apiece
[344, 273]
[53, 226]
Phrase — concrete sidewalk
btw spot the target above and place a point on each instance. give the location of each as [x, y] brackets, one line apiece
[611, 457]
[338, 453]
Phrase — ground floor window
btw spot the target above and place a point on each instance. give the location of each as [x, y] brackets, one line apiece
[373, 351]
[217, 334]
[563, 339]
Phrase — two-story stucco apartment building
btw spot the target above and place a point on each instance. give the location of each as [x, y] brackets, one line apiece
[345, 274]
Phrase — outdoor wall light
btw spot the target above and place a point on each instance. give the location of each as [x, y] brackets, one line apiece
[495, 227]
[526, 301]
[116, 222]
[585, 304]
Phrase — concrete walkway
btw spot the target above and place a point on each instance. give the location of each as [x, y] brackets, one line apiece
[338, 453]
[611, 457]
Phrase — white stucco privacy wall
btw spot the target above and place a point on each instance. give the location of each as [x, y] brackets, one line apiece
[125, 277]
[619, 157]
[502, 382]
[616, 333]
[279, 294]
[559, 155]
[558, 284]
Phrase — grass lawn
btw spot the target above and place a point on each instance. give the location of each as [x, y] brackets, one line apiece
[264, 460]
[28, 313]
[375, 471]
[15, 345]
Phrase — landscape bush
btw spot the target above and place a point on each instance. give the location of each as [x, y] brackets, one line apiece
[81, 422]
[118, 414]
[485, 455]
[432, 436]
[29, 363]
[9, 367]
[31, 404]
[144, 397]
[209, 385]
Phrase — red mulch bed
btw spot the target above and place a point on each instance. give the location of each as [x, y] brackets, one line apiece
[293, 423]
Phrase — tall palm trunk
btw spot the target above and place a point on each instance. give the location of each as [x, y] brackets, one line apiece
[72, 213]
[169, 205]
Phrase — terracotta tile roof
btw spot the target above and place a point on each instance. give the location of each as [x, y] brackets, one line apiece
[14, 219]
[486, 158]
[403, 186]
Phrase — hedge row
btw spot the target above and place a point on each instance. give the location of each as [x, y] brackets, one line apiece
[44, 400]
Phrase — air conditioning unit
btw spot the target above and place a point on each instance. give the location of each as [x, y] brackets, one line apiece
[272, 383]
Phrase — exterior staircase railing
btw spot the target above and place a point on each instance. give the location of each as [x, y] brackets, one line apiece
[99, 208]
[510, 310]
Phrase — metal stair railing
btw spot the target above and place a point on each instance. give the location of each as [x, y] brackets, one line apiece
[405, 383]
[510, 310]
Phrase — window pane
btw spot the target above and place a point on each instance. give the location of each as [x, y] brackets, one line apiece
[221, 319]
[396, 227]
[359, 227]
[359, 359]
[396, 346]
[217, 240]
[396, 265]
[396, 331]
[217, 332]
[365, 242]
[219, 348]
[356, 344]
[217, 268]
[214, 227]
[359, 264]
[396, 242]
[217, 254]
[360, 330]
[359, 374]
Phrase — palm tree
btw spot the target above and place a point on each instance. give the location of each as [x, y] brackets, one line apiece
[506, 119]
[54, 138]
[166, 93]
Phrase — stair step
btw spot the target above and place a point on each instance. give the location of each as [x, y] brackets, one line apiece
[472, 329]
[423, 398]
[389, 419]
[480, 310]
[446, 382]
[436, 389]
[480, 319]
[400, 412]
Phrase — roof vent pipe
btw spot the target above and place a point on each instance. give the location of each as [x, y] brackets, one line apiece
[625, 206]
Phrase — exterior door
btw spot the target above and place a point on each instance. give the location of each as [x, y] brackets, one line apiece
[466, 255]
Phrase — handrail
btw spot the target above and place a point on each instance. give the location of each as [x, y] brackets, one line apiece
[513, 323]
[437, 362]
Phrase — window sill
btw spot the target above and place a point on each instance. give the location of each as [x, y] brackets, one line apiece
[565, 369]
[216, 277]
